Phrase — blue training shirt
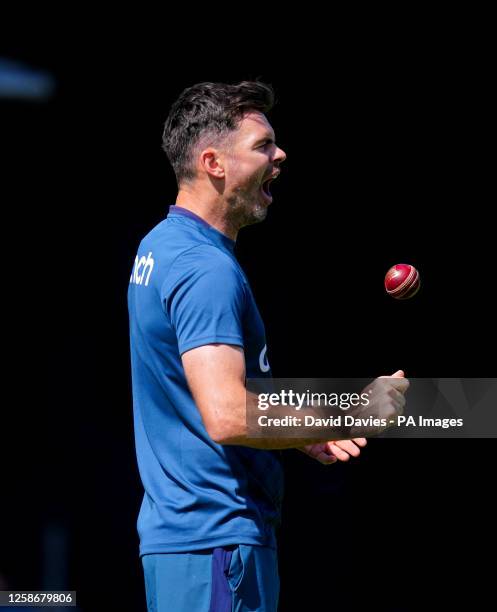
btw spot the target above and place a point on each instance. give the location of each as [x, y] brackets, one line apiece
[187, 290]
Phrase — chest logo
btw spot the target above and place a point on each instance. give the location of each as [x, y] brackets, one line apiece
[142, 270]
[263, 363]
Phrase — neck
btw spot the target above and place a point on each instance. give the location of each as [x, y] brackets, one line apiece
[211, 208]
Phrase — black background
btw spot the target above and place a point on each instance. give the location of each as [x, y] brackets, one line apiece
[389, 161]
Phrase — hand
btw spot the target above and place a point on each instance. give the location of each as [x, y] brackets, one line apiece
[386, 402]
[334, 450]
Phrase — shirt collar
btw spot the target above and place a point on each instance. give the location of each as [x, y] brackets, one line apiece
[208, 230]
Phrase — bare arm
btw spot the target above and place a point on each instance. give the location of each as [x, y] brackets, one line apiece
[216, 377]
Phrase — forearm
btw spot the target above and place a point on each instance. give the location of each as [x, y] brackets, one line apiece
[233, 415]
[234, 430]
[273, 443]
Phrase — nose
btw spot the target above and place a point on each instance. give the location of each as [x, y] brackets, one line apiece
[279, 155]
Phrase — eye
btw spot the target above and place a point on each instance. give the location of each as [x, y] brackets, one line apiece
[266, 142]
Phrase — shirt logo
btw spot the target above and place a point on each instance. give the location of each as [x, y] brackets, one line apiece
[142, 266]
[263, 363]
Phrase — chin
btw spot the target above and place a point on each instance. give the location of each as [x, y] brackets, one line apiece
[246, 212]
[259, 214]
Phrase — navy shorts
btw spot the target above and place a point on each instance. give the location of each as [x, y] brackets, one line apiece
[233, 578]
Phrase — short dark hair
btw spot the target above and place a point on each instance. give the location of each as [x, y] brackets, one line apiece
[209, 109]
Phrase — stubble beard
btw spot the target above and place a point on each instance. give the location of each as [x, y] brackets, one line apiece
[246, 207]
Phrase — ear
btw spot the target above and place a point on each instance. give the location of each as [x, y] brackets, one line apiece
[211, 163]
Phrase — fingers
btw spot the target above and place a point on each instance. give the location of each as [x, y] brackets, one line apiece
[401, 384]
[389, 404]
[319, 452]
[398, 381]
[344, 449]
[325, 458]
[398, 398]
[360, 441]
[335, 450]
[349, 447]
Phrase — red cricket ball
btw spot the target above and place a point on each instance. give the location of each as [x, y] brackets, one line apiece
[402, 281]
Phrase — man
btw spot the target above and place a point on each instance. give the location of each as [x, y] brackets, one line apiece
[212, 495]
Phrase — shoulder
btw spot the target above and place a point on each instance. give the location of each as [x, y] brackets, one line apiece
[206, 269]
[206, 259]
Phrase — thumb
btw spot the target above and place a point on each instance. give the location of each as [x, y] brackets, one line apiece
[398, 374]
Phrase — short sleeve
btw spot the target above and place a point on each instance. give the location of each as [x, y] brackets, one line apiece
[204, 298]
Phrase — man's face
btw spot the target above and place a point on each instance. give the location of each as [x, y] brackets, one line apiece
[251, 161]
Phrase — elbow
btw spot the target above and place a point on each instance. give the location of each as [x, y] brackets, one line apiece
[225, 424]
[218, 435]
[218, 439]
[224, 435]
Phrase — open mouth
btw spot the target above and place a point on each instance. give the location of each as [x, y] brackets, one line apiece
[265, 188]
